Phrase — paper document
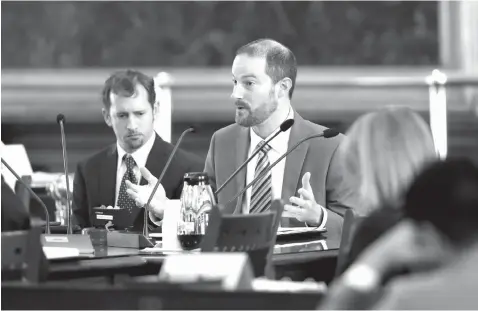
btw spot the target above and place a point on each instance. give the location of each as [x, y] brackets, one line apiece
[60, 252]
[297, 230]
[265, 285]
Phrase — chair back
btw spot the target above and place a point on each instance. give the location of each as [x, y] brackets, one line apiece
[251, 233]
[351, 220]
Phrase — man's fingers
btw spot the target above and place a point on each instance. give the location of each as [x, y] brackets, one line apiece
[131, 186]
[306, 195]
[306, 182]
[291, 211]
[150, 178]
[298, 201]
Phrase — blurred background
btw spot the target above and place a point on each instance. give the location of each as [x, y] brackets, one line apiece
[56, 56]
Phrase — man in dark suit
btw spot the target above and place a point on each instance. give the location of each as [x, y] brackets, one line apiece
[264, 73]
[130, 110]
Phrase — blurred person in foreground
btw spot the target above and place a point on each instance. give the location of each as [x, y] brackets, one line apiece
[437, 243]
[263, 76]
[130, 109]
[383, 152]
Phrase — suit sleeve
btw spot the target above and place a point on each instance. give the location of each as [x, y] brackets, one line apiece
[339, 193]
[210, 165]
[80, 201]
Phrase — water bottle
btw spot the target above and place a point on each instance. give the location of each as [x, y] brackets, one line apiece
[197, 200]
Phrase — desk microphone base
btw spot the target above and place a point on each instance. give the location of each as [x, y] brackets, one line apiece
[81, 242]
[128, 240]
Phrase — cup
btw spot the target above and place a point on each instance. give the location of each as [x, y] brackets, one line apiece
[98, 236]
[170, 224]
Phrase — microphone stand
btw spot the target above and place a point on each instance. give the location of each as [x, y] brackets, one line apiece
[33, 194]
[283, 127]
[136, 240]
[146, 207]
[69, 229]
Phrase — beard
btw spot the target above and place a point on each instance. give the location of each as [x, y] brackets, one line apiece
[247, 117]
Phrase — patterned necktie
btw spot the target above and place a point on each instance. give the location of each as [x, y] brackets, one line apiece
[261, 195]
[124, 200]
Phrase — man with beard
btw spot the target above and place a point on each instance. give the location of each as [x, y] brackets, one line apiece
[263, 74]
[130, 110]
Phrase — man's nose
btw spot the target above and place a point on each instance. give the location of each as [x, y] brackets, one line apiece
[132, 123]
[237, 92]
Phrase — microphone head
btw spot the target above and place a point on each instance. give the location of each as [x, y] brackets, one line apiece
[60, 118]
[329, 133]
[192, 129]
[286, 125]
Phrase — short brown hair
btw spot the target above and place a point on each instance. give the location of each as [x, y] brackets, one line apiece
[124, 83]
[280, 61]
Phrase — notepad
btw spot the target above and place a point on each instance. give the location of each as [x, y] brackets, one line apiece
[60, 252]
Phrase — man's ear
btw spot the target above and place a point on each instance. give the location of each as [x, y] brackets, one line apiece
[107, 117]
[284, 87]
[155, 110]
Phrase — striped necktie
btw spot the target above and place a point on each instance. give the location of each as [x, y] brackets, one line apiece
[261, 195]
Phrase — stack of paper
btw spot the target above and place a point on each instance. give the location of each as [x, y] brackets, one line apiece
[262, 284]
[60, 252]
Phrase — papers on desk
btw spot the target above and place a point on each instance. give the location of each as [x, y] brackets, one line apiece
[265, 285]
[156, 235]
[299, 230]
[52, 253]
[160, 250]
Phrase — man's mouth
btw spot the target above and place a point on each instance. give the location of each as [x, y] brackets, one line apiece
[134, 136]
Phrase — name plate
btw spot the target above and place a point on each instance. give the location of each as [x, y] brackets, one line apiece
[237, 274]
[105, 217]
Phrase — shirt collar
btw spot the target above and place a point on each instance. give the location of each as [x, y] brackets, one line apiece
[140, 156]
[278, 144]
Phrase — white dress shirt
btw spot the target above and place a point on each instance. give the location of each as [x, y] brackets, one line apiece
[278, 148]
[140, 156]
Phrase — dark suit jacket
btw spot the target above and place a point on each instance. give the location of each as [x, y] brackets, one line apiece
[15, 216]
[95, 178]
[229, 148]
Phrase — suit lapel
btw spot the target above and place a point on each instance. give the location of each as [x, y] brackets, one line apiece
[107, 180]
[156, 159]
[240, 154]
[294, 161]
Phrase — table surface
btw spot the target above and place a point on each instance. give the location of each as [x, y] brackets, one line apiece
[111, 260]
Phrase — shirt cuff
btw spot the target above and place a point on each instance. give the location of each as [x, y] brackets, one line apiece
[322, 223]
[155, 220]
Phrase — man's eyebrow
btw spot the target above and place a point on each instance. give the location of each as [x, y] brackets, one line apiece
[246, 76]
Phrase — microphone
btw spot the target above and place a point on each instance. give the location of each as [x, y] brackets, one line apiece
[60, 119]
[328, 133]
[145, 225]
[47, 216]
[287, 124]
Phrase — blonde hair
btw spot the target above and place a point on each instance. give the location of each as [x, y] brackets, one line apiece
[383, 152]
